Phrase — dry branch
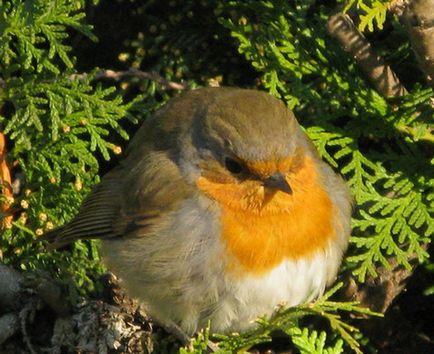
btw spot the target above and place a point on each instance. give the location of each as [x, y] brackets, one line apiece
[418, 18]
[94, 326]
[378, 292]
[382, 77]
[143, 75]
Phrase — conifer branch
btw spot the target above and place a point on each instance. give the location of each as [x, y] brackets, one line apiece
[428, 136]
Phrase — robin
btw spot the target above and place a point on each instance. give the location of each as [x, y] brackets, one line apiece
[220, 211]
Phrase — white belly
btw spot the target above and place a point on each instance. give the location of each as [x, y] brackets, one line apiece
[290, 284]
[182, 278]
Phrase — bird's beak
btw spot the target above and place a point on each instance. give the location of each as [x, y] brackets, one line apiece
[279, 182]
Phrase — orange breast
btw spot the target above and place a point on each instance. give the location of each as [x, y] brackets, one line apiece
[262, 230]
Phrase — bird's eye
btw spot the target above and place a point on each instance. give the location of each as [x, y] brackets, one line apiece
[233, 166]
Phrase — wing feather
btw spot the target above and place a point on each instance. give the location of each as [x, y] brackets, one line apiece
[128, 201]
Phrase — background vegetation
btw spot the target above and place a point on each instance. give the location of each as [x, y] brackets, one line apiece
[77, 76]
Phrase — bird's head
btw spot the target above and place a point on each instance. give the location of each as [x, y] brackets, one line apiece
[245, 150]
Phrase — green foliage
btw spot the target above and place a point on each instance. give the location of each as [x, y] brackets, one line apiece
[56, 121]
[180, 40]
[312, 343]
[199, 344]
[28, 27]
[374, 12]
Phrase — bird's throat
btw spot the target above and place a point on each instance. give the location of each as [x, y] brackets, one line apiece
[288, 227]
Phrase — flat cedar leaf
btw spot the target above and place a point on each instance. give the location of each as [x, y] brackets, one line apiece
[376, 13]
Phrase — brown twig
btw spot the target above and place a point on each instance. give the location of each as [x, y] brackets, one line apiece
[378, 292]
[119, 75]
[382, 77]
[418, 19]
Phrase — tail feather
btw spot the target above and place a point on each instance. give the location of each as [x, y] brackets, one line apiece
[53, 238]
[95, 219]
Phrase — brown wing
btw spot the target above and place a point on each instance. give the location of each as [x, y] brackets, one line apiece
[147, 184]
[96, 216]
[127, 202]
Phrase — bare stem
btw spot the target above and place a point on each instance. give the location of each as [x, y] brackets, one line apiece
[418, 18]
[144, 75]
[381, 75]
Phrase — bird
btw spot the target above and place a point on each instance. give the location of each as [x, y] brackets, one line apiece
[220, 211]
